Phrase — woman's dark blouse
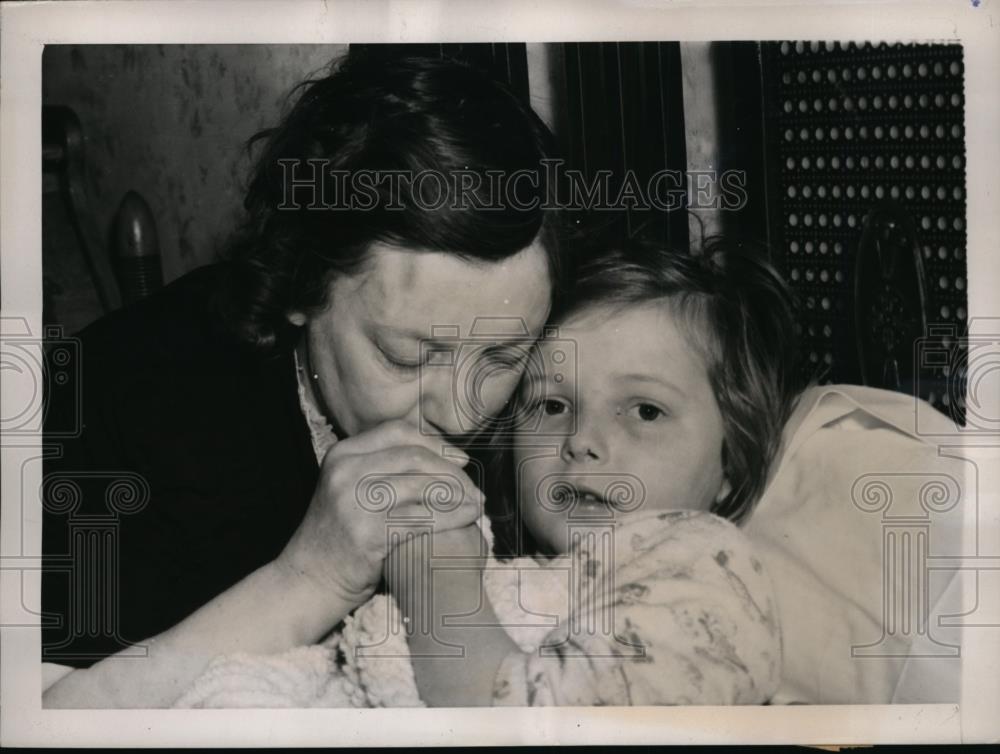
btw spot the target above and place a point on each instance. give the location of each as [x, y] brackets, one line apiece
[166, 400]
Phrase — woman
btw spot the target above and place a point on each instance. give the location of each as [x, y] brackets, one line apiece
[201, 397]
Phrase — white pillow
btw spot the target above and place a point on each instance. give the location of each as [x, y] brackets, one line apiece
[847, 448]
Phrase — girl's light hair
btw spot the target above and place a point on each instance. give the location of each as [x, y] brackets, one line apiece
[736, 313]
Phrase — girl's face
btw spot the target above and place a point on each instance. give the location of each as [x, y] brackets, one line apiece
[640, 426]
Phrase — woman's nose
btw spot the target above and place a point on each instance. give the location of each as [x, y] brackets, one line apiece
[434, 406]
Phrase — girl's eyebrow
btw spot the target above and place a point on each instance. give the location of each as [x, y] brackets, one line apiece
[650, 379]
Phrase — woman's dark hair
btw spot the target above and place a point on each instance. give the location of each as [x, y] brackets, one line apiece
[737, 313]
[368, 127]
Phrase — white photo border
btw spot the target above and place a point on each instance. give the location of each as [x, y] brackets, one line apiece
[26, 27]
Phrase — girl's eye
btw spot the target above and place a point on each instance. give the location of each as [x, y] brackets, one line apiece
[552, 407]
[549, 407]
[647, 412]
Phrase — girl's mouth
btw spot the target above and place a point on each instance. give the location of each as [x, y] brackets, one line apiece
[585, 496]
[622, 494]
[569, 498]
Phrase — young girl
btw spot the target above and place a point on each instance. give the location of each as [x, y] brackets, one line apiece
[625, 463]
[616, 579]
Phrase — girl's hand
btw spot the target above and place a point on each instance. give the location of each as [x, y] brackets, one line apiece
[366, 482]
[465, 542]
[415, 555]
[456, 640]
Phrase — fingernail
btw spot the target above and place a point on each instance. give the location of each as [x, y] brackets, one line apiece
[453, 452]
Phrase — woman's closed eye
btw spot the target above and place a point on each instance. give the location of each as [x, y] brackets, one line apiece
[396, 363]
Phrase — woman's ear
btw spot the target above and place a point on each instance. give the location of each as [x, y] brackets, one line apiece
[296, 318]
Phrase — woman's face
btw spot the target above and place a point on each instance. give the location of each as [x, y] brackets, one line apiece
[382, 346]
[633, 427]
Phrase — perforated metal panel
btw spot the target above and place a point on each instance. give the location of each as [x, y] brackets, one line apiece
[850, 127]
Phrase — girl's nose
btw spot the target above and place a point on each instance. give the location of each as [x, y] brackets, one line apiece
[585, 446]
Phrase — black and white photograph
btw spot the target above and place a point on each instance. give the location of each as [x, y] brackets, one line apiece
[432, 368]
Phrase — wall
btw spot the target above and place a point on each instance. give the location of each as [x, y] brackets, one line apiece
[700, 128]
[168, 121]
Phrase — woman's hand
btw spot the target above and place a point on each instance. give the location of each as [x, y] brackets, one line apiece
[332, 564]
[389, 474]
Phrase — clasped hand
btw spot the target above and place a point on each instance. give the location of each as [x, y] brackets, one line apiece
[368, 483]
